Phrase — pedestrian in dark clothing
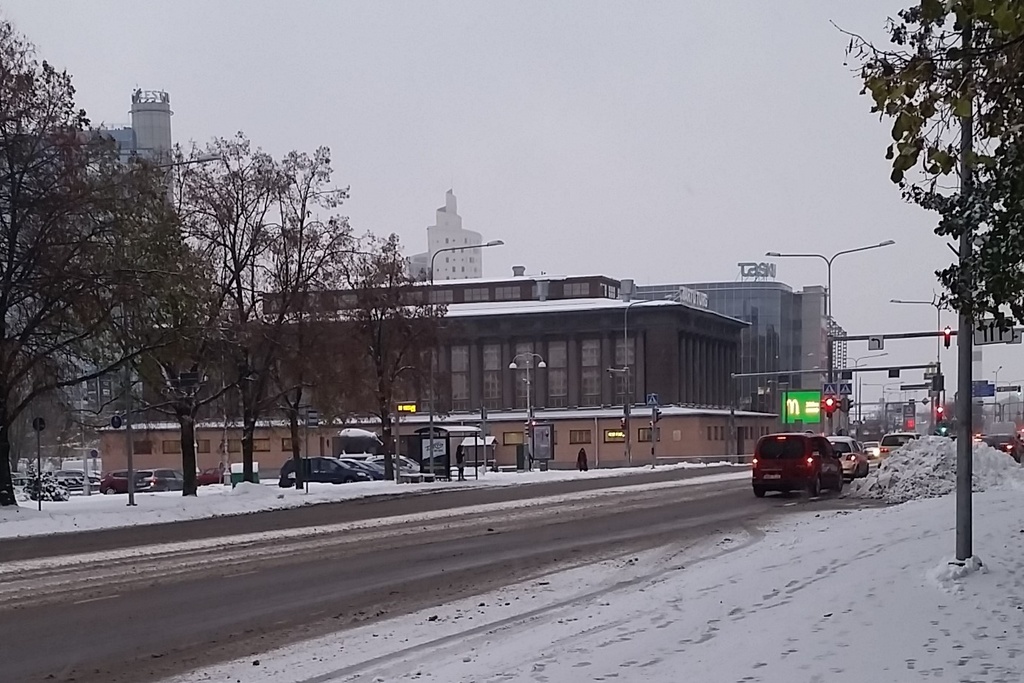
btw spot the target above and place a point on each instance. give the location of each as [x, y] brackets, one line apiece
[460, 462]
[581, 460]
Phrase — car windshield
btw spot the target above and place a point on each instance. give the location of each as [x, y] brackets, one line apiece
[896, 439]
[841, 447]
[870, 444]
[781, 448]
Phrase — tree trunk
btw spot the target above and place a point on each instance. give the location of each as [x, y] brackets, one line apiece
[248, 436]
[385, 435]
[293, 430]
[6, 481]
[188, 451]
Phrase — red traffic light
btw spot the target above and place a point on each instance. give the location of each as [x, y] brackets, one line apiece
[829, 404]
[947, 336]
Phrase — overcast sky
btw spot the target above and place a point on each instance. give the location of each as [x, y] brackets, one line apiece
[663, 141]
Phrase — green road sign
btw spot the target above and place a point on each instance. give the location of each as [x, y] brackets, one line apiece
[801, 406]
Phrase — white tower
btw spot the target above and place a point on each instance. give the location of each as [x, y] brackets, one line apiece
[447, 233]
[151, 121]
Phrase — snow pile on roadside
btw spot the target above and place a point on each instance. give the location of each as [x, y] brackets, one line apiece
[926, 468]
[247, 488]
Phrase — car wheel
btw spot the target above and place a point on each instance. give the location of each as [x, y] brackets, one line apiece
[109, 491]
[814, 487]
[840, 481]
[759, 491]
[864, 471]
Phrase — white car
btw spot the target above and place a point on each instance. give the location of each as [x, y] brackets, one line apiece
[890, 442]
[872, 449]
[405, 465]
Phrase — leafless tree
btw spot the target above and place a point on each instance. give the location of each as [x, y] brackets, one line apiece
[395, 326]
[87, 244]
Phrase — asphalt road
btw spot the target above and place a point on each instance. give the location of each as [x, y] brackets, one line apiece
[141, 614]
[326, 513]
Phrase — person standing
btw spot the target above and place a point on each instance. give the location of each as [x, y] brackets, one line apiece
[460, 462]
[581, 460]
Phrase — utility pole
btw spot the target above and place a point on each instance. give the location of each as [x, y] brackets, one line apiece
[965, 331]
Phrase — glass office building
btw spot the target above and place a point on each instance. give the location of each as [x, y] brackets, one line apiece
[787, 331]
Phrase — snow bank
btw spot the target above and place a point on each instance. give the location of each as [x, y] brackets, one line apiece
[926, 468]
[949, 574]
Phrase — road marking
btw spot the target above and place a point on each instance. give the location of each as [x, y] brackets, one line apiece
[102, 597]
[235, 576]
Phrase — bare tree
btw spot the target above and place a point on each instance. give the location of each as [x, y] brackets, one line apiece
[87, 244]
[393, 324]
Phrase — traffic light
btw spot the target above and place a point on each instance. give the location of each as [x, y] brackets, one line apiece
[622, 422]
[845, 403]
[655, 414]
[947, 336]
[829, 405]
[940, 413]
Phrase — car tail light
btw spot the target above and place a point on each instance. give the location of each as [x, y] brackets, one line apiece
[883, 449]
[810, 461]
[851, 457]
[754, 462]
[1008, 446]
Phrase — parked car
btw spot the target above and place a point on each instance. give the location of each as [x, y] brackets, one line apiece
[792, 461]
[852, 456]
[323, 470]
[209, 476]
[375, 471]
[152, 481]
[1008, 443]
[405, 465]
[894, 440]
[146, 481]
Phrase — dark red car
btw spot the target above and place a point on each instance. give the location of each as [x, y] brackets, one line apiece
[795, 462]
[211, 475]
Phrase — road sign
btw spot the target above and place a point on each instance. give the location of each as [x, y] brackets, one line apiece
[801, 406]
[652, 399]
[407, 407]
[876, 343]
[982, 389]
[917, 386]
[94, 454]
[933, 369]
[312, 418]
[830, 388]
[909, 409]
[846, 388]
[1008, 389]
[38, 424]
[116, 422]
[894, 373]
[989, 332]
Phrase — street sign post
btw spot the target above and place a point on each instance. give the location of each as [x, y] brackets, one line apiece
[830, 389]
[989, 332]
[652, 400]
[846, 388]
[876, 343]
[982, 389]
[1008, 389]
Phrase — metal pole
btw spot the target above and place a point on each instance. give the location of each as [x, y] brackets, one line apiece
[483, 435]
[305, 451]
[831, 344]
[529, 415]
[86, 488]
[129, 436]
[39, 469]
[626, 397]
[964, 340]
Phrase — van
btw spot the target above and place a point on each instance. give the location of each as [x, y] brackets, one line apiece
[795, 462]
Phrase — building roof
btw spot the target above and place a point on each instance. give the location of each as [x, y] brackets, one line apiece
[466, 422]
[512, 279]
[568, 306]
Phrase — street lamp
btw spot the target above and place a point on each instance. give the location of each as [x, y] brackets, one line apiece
[433, 354]
[529, 357]
[828, 298]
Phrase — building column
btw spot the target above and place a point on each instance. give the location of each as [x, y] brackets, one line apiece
[574, 371]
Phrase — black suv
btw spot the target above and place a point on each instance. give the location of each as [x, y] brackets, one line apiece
[322, 470]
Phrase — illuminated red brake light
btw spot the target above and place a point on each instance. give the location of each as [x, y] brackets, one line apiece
[754, 462]
[810, 461]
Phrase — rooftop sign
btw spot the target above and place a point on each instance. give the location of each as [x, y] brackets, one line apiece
[750, 270]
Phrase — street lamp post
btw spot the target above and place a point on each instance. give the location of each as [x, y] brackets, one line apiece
[529, 357]
[433, 354]
[997, 410]
[830, 351]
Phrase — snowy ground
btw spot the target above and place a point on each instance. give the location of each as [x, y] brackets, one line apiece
[832, 596]
[99, 512]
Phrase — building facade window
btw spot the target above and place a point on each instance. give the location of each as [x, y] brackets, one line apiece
[578, 290]
[508, 293]
[171, 446]
[476, 294]
[558, 375]
[590, 375]
[261, 445]
[524, 359]
[579, 436]
[460, 377]
[442, 296]
[625, 356]
[643, 435]
[143, 447]
[204, 445]
[492, 376]
[286, 445]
